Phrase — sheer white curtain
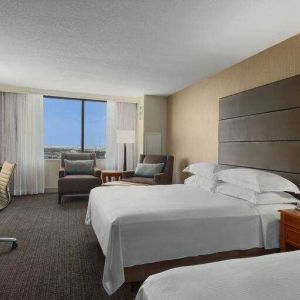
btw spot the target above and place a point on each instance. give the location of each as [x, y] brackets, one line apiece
[22, 140]
[120, 116]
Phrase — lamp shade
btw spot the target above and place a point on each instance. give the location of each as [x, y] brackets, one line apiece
[125, 136]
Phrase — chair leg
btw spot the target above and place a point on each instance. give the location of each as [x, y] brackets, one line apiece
[13, 241]
[59, 198]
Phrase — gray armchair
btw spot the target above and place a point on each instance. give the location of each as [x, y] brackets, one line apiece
[77, 184]
[165, 177]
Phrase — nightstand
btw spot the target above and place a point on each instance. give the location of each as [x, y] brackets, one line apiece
[289, 230]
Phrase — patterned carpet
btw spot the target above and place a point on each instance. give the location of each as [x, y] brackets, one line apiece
[58, 255]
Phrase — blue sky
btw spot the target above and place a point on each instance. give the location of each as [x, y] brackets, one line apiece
[62, 123]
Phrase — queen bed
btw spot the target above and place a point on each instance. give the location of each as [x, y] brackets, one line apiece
[267, 277]
[146, 230]
[142, 225]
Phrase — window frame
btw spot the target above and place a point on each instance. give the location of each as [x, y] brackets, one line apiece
[83, 101]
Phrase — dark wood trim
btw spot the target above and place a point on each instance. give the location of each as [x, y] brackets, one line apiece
[141, 272]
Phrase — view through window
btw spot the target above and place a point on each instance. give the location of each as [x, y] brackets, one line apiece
[74, 125]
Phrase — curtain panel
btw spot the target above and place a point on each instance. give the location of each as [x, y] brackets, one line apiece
[120, 116]
[22, 140]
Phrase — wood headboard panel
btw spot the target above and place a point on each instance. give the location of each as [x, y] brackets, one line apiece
[260, 128]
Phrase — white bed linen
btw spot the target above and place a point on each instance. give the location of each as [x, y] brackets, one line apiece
[143, 224]
[270, 277]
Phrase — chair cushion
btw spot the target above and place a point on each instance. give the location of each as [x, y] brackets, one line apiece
[77, 184]
[77, 156]
[148, 170]
[155, 159]
[84, 167]
[142, 180]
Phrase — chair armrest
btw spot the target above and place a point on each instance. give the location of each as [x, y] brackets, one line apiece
[162, 178]
[97, 172]
[61, 173]
[127, 174]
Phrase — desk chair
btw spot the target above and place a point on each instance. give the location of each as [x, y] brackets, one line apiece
[6, 175]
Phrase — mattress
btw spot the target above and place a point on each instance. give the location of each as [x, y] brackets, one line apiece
[274, 276]
[143, 224]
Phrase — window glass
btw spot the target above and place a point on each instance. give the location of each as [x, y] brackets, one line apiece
[62, 126]
[95, 127]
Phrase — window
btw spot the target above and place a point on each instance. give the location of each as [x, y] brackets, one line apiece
[94, 128]
[74, 125]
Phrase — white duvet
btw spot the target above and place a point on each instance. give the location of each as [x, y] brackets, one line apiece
[270, 277]
[143, 224]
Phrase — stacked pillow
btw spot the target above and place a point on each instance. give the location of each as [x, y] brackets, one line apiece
[82, 167]
[256, 186]
[204, 175]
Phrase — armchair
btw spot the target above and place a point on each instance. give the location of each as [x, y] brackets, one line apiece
[165, 177]
[77, 183]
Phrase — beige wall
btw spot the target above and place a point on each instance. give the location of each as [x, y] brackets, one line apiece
[193, 112]
[155, 118]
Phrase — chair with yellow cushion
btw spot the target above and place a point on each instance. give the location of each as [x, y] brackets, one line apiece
[6, 175]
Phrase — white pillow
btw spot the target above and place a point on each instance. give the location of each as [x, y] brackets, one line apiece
[202, 182]
[257, 180]
[236, 191]
[207, 170]
[275, 198]
[253, 197]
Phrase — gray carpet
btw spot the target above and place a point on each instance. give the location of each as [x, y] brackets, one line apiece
[58, 255]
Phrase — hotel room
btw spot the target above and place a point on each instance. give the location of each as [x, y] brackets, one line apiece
[149, 150]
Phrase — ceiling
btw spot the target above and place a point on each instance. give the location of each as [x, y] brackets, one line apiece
[134, 47]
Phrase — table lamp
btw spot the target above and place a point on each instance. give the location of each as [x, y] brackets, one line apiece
[125, 137]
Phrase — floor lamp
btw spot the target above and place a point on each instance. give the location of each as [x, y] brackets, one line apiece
[125, 137]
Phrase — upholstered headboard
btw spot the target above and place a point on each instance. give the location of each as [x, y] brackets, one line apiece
[260, 128]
